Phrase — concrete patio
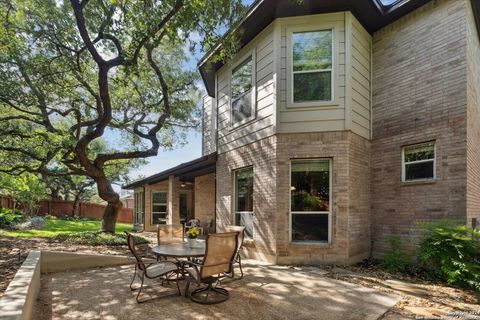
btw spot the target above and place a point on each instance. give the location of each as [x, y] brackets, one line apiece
[266, 292]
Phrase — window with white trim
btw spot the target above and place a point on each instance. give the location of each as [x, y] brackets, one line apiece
[312, 66]
[242, 107]
[244, 200]
[159, 207]
[418, 162]
[310, 201]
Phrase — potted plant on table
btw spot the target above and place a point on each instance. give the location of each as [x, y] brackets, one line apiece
[192, 235]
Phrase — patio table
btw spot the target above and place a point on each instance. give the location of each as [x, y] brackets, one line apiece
[180, 250]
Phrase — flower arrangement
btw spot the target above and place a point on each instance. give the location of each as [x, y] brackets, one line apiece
[193, 233]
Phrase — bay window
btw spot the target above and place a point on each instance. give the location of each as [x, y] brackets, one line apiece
[242, 90]
[310, 201]
[312, 66]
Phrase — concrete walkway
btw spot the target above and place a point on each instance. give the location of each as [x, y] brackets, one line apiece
[266, 292]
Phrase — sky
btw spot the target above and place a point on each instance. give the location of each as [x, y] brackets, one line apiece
[170, 158]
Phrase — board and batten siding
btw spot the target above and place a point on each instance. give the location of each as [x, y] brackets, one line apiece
[263, 124]
[209, 130]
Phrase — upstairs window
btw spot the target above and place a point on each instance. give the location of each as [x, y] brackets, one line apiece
[242, 92]
[418, 162]
[312, 66]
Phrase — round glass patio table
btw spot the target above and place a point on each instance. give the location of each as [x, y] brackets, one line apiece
[180, 250]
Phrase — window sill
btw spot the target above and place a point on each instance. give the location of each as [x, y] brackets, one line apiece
[313, 104]
[318, 244]
[418, 182]
[241, 124]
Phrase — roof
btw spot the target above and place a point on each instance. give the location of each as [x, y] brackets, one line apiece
[372, 14]
[185, 172]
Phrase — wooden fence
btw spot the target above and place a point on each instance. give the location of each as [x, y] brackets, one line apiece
[61, 207]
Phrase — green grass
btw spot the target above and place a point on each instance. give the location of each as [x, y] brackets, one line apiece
[76, 232]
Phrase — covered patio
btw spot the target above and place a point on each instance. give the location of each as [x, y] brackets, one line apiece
[266, 292]
[176, 195]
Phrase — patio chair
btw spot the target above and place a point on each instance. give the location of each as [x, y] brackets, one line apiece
[170, 233]
[241, 237]
[151, 269]
[217, 264]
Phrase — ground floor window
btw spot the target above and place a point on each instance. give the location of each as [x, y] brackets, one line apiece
[310, 200]
[159, 207]
[244, 200]
[418, 162]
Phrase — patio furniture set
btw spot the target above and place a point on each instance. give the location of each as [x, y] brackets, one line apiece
[203, 264]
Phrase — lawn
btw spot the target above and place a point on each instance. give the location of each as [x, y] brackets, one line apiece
[76, 232]
[56, 227]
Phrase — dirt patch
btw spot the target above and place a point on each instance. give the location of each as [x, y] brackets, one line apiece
[421, 298]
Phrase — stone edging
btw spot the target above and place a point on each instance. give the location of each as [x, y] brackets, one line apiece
[21, 294]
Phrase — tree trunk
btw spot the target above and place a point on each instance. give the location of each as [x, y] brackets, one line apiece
[76, 202]
[110, 216]
[106, 192]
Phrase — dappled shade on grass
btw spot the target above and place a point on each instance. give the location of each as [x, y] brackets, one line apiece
[76, 232]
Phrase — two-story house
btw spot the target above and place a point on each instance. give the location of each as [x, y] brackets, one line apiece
[337, 125]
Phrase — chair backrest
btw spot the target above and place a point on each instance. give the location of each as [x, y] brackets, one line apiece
[219, 254]
[133, 250]
[170, 233]
[193, 223]
[241, 234]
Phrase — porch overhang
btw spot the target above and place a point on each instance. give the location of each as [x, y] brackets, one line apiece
[185, 172]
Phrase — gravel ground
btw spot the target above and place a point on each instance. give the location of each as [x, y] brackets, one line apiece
[266, 292]
[420, 297]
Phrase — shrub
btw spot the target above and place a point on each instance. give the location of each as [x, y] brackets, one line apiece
[9, 217]
[98, 238]
[395, 260]
[452, 253]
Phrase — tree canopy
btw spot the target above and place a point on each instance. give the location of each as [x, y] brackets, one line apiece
[73, 71]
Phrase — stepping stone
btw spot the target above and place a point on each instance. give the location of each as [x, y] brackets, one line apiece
[407, 288]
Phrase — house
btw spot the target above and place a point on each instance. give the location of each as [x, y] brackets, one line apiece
[337, 125]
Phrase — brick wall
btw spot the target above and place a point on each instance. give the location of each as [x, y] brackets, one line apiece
[419, 94]
[350, 208]
[270, 158]
[261, 155]
[205, 197]
[473, 120]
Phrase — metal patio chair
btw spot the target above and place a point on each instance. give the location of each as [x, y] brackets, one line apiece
[151, 269]
[170, 233]
[217, 264]
[241, 237]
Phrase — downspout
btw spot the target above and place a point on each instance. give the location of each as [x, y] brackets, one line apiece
[143, 209]
[372, 241]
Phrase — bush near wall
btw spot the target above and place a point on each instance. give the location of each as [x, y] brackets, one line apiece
[452, 253]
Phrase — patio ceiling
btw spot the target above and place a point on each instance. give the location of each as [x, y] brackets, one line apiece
[372, 14]
[185, 172]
